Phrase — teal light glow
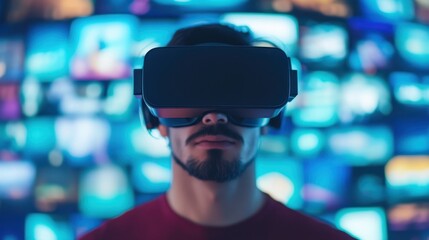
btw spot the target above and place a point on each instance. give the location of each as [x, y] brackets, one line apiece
[40, 136]
[152, 34]
[101, 47]
[411, 41]
[282, 179]
[361, 145]
[391, 9]
[45, 227]
[81, 137]
[119, 101]
[274, 145]
[363, 223]
[152, 175]
[105, 192]
[16, 179]
[32, 96]
[307, 142]
[148, 144]
[281, 29]
[319, 100]
[362, 96]
[409, 89]
[47, 51]
[324, 44]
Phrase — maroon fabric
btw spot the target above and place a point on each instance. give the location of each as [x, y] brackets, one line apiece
[157, 221]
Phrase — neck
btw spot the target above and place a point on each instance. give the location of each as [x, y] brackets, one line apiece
[214, 204]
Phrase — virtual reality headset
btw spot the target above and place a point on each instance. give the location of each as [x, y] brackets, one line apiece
[179, 85]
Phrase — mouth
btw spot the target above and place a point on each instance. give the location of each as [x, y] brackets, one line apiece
[216, 141]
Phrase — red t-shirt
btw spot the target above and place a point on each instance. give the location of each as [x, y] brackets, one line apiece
[157, 221]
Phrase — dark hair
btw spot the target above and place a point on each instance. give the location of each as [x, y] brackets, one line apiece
[211, 33]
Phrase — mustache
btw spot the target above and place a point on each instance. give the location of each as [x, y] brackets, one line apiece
[215, 130]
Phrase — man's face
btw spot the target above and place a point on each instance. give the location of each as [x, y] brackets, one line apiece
[214, 149]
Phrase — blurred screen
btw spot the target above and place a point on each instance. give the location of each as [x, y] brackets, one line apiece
[101, 47]
[47, 51]
[407, 178]
[282, 30]
[44, 226]
[55, 189]
[83, 140]
[306, 142]
[411, 40]
[363, 98]
[152, 34]
[372, 46]
[318, 102]
[412, 135]
[337, 8]
[361, 145]
[10, 108]
[391, 10]
[202, 5]
[152, 175]
[409, 216]
[422, 10]
[324, 191]
[410, 89]
[39, 138]
[363, 223]
[12, 139]
[16, 179]
[323, 45]
[20, 10]
[137, 7]
[12, 227]
[11, 59]
[368, 186]
[82, 224]
[282, 179]
[104, 192]
[274, 145]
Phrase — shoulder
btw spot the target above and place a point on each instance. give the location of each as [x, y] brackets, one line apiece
[300, 224]
[128, 223]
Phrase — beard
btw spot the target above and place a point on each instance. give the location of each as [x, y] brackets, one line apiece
[214, 167]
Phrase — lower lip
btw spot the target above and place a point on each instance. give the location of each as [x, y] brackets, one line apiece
[210, 144]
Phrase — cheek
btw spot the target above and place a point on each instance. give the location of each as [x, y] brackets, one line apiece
[177, 141]
[251, 145]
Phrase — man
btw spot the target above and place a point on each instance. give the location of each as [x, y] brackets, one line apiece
[213, 194]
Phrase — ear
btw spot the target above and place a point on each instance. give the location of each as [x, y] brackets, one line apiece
[163, 130]
[264, 130]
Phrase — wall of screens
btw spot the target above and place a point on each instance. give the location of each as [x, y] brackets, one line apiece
[73, 152]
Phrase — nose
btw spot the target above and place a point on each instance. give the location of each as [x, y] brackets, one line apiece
[214, 118]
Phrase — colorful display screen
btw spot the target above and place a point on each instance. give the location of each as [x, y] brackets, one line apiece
[372, 43]
[10, 108]
[411, 41]
[104, 192]
[407, 178]
[323, 45]
[101, 47]
[392, 10]
[47, 51]
[17, 179]
[363, 223]
[282, 179]
[11, 59]
[280, 29]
